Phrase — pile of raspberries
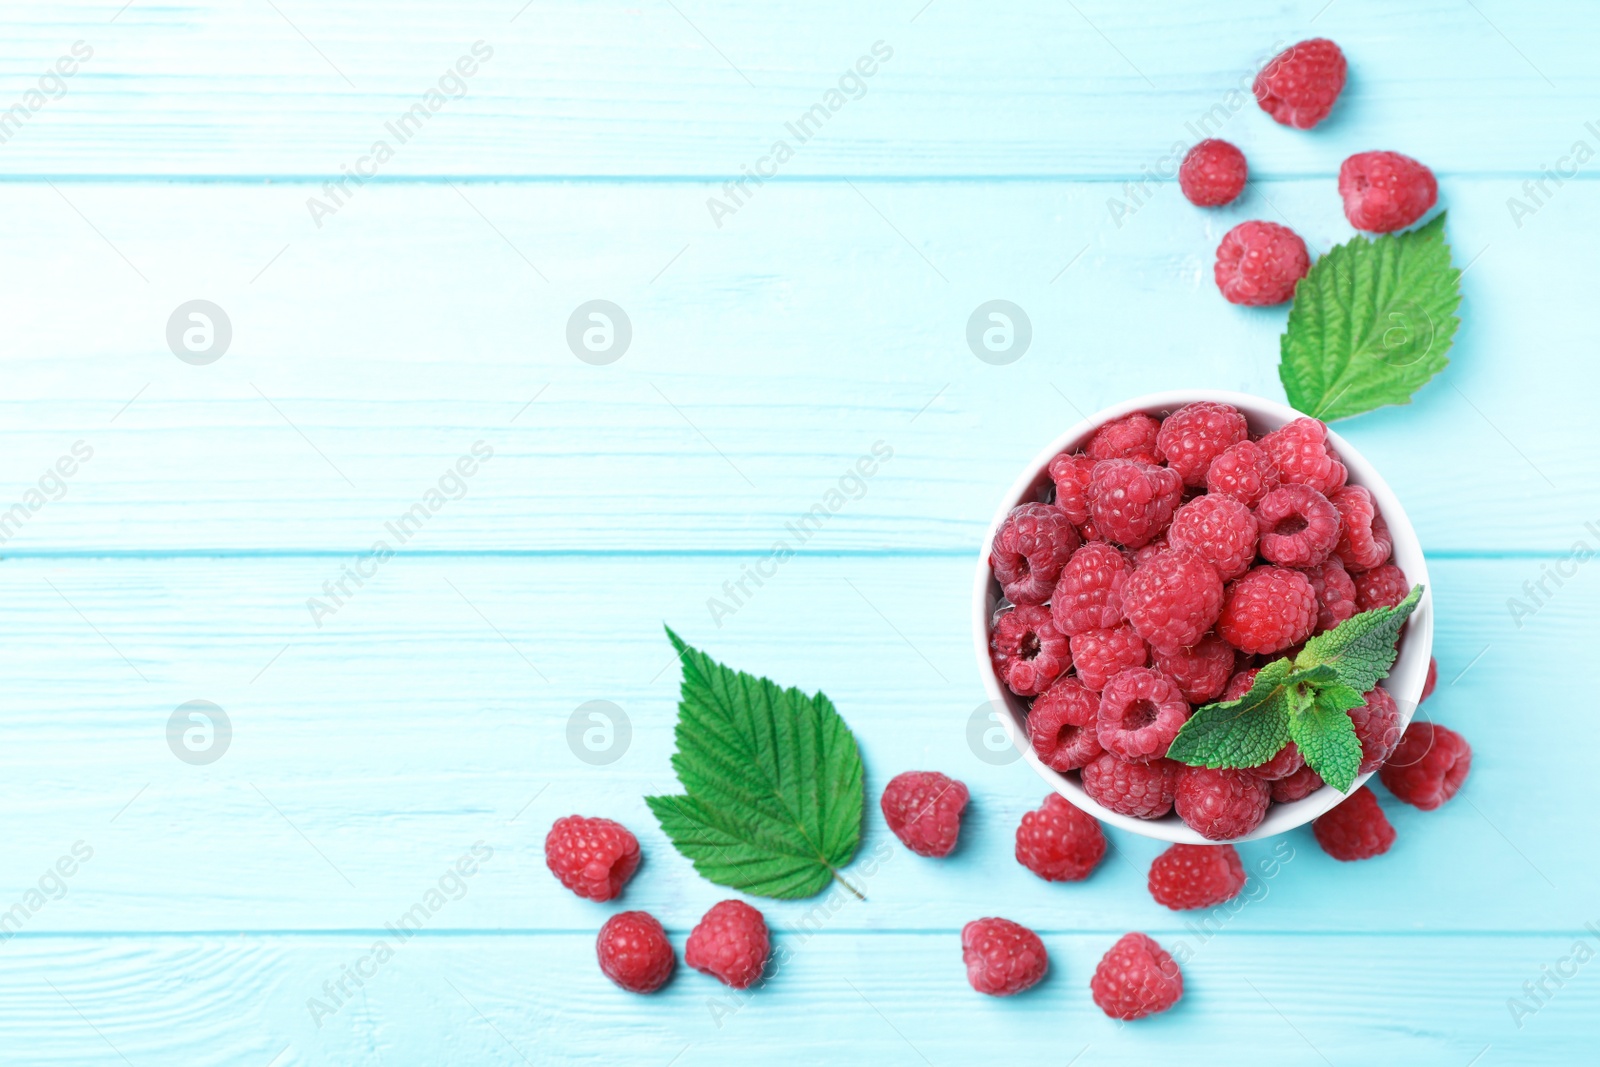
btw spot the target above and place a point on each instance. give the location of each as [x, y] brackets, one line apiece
[1260, 262]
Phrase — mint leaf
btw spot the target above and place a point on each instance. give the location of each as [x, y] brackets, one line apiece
[1361, 649]
[1239, 733]
[774, 786]
[1327, 738]
[1371, 323]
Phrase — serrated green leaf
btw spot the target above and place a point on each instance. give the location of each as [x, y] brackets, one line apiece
[773, 780]
[1238, 733]
[1361, 649]
[1371, 323]
[1339, 697]
[1327, 738]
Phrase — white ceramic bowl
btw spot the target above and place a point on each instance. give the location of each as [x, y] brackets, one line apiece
[1404, 682]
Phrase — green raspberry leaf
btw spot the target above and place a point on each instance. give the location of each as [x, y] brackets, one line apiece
[1327, 738]
[1361, 649]
[1239, 733]
[1371, 323]
[773, 780]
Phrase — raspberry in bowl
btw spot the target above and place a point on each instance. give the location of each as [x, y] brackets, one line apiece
[1198, 536]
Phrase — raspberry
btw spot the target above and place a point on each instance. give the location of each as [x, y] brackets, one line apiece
[1062, 725]
[1058, 842]
[592, 857]
[1136, 978]
[1428, 767]
[1089, 594]
[1300, 452]
[1243, 471]
[1172, 599]
[1002, 957]
[1433, 680]
[1101, 655]
[1298, 526]
[1070, 473]
[1286, 762]
[1194, 435]
[1377, 724]
[1364, 541]
[1221, 803]
[1297, 786]
[1212, 174]
[1030, 548]
[1140, 790]
[1028, 651]
[1200, 671]
[923, 809]
[1354, 830]
[1196, 876]
[1140, 713]
[730, 944]
[1148, 552]
[1268, 610]
[1381, 587]
[1385, 191]
[1218, 529]
[1258, 263]
[634, 952]
[1132, 502]
[1130, 437]
[1336, 593]
[1299, 86]
[1240, 683]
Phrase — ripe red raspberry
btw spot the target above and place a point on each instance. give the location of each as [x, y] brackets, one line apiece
[1002, 957]
[1136, 978]
[1139, 790]
[1429, 765]
[1297, 786]
[1243, 471]
[1218, 529]
[1070, 473]
[1089, 594]
[1381, 587]
[1130, 437]
[634, 952]
[1364, 541]
[1433, 679]
[1101, 655]
[1258, 263]
[1059, 842]
[1201, 671]
[730, 944]
[1132, 502]
[1140, 713]
[1148, 552]
[1286, 762]
[1213, 173]
[1172, 599]
[1377, 724]
[1028, 651]
[1221, 803]
[1299, 527]
[923, 809]
[1196, 876]
[1336, 593]
[1063, 725]
[1299, 86]
[1030, 548]
[1300, 452]
[1268, 610]
[1194, 435]
[1240, 683]
[1354, 830]
[592, 857]
[1385, 191]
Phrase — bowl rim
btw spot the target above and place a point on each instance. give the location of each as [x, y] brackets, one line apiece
[1405, 681]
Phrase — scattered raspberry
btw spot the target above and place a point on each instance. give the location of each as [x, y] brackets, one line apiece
[1299, 86]
[1132, 502]
[1002, 957]
[1385, 191]
[1428, 767]
[1194, 435]
[1089, 594]
[1030, 548]
[634, 952]
[1299, 527]
[1297, 786]
[1196, 876]
[1354, 830]
[1139, 790]
[1140, 713]
[1212, 174]
[1028, 651]
[1300, 452]
[1268, 610]
[592, 857]
[1218, 529]
[1136, 978]
[1286, 762]
[1063, 725]
[1058, 842]
[1381, 587]
[1364, 541]
[1433, 680]
[730, 944]
[1336, 593]
[1201, 671]
[1243, 471]
[923, 809]
[1240, 683]
[1258, 263]
[1070, 473]
[1101, 655]
[1130, 437]
[1172, 599]
[1222, 803]
[1377, 724]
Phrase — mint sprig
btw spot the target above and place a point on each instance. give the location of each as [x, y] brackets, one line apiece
[1306, 700]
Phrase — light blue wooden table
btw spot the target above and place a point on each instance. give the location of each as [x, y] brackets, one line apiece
[381, 730]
